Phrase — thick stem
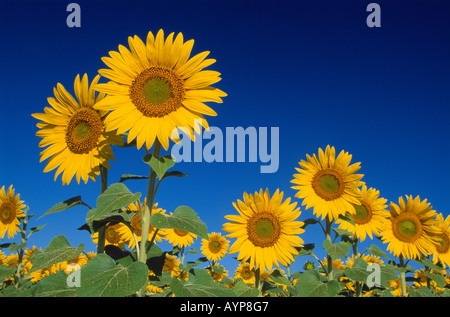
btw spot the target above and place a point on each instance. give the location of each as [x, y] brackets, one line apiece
[355, 253]
[403, 276]
[146, 214]
[21, 252]
[258, 280]
[329, 259]
[102, 230]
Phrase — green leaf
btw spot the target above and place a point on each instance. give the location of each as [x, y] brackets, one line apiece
[428, 263]
[244, 290]
[183, 218]
[374, 250]
[347, 218]
[14, 246]
[309, 221]
[420, 292]
[54, 285]
[342, 232]
[358, 271]
[126, 177]
[6, 272]
[115, 197]
[277, 277]
[101, 277]
[338, 250]
[35, 229]
[199, 284]
[307, 249]
[58, 250]
[310, 284]
[438, 278]
[66, 204]
[159, 164]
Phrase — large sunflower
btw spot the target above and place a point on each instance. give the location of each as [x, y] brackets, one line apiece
[74, 133]
[369, 217]
[410, 229]
[155, 88]
[442, 247]
[266, 229]
[328, 184]
[11, 211]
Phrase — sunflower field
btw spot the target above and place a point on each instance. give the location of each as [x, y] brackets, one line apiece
[157, 90]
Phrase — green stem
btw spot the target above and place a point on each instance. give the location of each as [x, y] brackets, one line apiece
[102, 230]
[258, 280]
[355, 253]
[146, 215]
[403, 276]
[329, 259]
[23, 234]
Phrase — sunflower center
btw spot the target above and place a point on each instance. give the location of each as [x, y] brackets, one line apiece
[407, 227]
[157, 91]
[444, 244]
[363, 213]
[181, 233]
[328, 184]
[83, 131]
[214, 246]
[263, 229]
[7, 212]
[112, 235]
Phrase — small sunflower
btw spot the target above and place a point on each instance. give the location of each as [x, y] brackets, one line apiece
[442, 247]
[179, 238]
[328, 184]
[215, 248]
[266, 229]
[113, 235]
[11, 211]
[245, 272]
[74, 133]
[155, 88]
[136, 225]
[369, 216]
[217, 272]
[410, 229]
[172, 265]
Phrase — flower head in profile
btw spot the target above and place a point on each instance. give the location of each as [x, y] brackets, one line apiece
[74, 133]
[266, 229]
[156, 87]
[11, 211]
[410, 230]
[328, 184]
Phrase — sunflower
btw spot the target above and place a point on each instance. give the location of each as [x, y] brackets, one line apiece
[74, 133]
[265, 229]
[136, 224]
[328, 184]
[442, 247]
[215, 248]
[370, 214]
[172, 265]
[179, 237]
[113, 235]
[410, 229]
[217, 272]
[11, 211]
[245, 272]
[155, 88]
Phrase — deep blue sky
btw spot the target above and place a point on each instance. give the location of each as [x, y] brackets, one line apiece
[312, 68]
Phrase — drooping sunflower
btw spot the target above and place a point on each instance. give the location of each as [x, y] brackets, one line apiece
[328, 184]
[155, 88]
[410, 229]
[11, 211]
[370, 214]
[74, 133]
[442, 247]
[172, 265]
[136, 224]
[215, 248]
[217, 272]
[266, 229]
